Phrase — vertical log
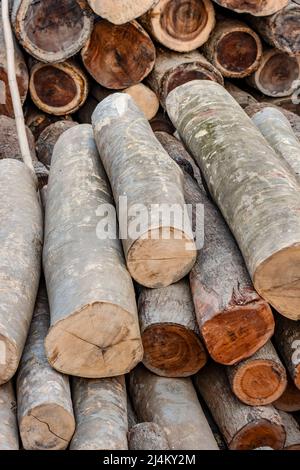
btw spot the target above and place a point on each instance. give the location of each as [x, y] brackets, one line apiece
[292, 430]
[147, 436]
[287, 338]
[121, 11]
[9, 437]
[48, 138]
[254, 7]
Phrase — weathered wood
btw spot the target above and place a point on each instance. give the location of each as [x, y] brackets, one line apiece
[94, 324]
[9, 437]
[132, 418]
[162, 123]
[254, 7]
[118, 56]
[100, 408]
[9, 144]
[158, 252]
[170, 334]
[173, 405]
[243, 427]
[52, 30]
[147, 436]
[287, 338]
[37, 121]
[292, 430]
[243, 98]
[121, 11]
[84, 114]
[287, 103]
[258, 190]
[290, 399]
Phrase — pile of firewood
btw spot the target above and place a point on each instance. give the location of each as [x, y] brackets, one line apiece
[178, 102]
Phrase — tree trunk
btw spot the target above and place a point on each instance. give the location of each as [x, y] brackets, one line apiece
[254, 7]
[287, 338]
[121, 11]
[94, 324]
[158, 252]
[243, 427]
[170, 334]
[101, 414]
[9, 436]
[118, 56]
[162, 123]
[173, 405]
[253, 173]
[183, 25]
[52, 30]
[243, 98]
[21, 240]
[147, 436]
[48, 138]
[292, 430]
[290, 399]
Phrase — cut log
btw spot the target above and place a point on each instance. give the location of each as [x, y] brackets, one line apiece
[183, 25]
[287, 338]
[254, 7]
[162, 123]
[101, 414]
[52, 30]
[37, 121]
[147, 436]
[118, 56]
[170, 334]
[94, 324]
[48, 138]
[9, 436]
[260, 380]
[45, 411]
[234, 48]
[243, 427]
[290, 399]
[234, 321]
[258, 189]
[58, 88]
[243, 98]
[158, 246]
[121, 11]
[276, 74]
[21, 240]
[292, 430]
[173, 405]
[287, 103]
[173, 69]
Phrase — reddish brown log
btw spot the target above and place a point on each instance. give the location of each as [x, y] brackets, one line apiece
[290, 399]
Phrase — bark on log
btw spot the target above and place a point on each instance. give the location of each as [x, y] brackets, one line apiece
[292, 430]
[162, 123]
[121, 11]
[147, 436]
[183, 25]
[290, 399]
[20, 254]
[37, 121]
[158, 252]
[253, 174]
[101, 414]
[287, 338]
[287, 103]
[9, 436]
[173, 405]
[52, 30]
[254, 7]
[118, 57]
[234, 321]
[243, 98]
[132, 418]
[243, 427]
[94, 324]
[170, 334]
[173, 69]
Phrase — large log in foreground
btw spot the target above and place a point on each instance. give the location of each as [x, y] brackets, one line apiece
[259, 188]
[254, 7]
[159, 252]
[147, 436]
[48, 138]
[9, 437]
[121, 11]
[287, 338]
[94, 325]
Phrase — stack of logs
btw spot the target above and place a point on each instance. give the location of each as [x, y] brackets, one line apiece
[169, 343]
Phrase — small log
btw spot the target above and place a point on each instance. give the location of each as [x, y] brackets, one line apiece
[287, 338]
[9, 143]
[158, 252]
[9, 436]
[292, 430]
[147, 436]
[52, 30]
[37, 121]
[243, 427]
[287, 103]
[48, 138]
[254, 7]
[272, 253]
[162, 123]
[174, 406]
[100, 408]
[243, 98]
[121, 11]
[94, 324]
[183, 25]
[290, 399]
[118, 57]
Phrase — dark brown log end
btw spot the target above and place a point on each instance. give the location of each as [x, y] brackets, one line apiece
[237, 52]
[187, 73]
[278, 73]
[259, 434]
[289, 401]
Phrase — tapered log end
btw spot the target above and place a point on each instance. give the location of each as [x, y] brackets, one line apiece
[259, 434]
[9, 359]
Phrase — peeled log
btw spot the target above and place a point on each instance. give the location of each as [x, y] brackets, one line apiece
[183, 25]
[101, 414]
[21, 241]
[158, 252]
[259, 188]
[254, 7]
[9, 436]
[173, 405]
[118, 56]
[147, 436]
[94, 324]
[121, 11]
[290, 399]
[292, 430]
[243, 427]
[287, 338]
[48, 138]
[52, 30]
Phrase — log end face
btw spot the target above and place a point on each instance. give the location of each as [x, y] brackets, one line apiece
[289, 401]
[9, 359]
[259, 434]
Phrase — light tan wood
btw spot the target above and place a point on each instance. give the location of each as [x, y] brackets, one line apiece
[121, 11]
[145, 99]
[9, 436]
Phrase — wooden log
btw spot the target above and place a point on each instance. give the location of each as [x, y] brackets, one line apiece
[173, 405]
[234, 321]
[259, 380]
[20, 254]
[101, 414]
[173, 69]
[254, 7]
[170, 334]
[94, 324]
[162, 123]
[118, 57]
[52, 30]
[58, 88]
[290, 399]
[158, 252]
[258, 189]
[84, 114]
[287, 338]
[292, 430]
[121, 11]
[243, 98]
[37, 121]
[9, 436]
[45, 411]
[183, 25]
[233, 48]
[147, 436]
[243, 427]
[287, 103]
[132, 417]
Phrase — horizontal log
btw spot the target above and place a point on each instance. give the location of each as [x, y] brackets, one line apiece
[243, 98]
[162, 123]
[147, 436]
[9, 436]
[9, 143]
[121, 11]
[290, 399]
[287, 338]
[37, 120]
[254, 7]
[48, 138]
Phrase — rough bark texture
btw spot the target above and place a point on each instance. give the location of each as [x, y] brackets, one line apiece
[9, 144]
[292, 430]
[121, 11]
[243, 98]
[9, 437]
[287, 338]
[48, 138]
[94, 324]
[254, 7]
[37, 121]
[162, 123]
[132, 418]
[290, 399]
[147, 436]
[287, 103]
[258, 190]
